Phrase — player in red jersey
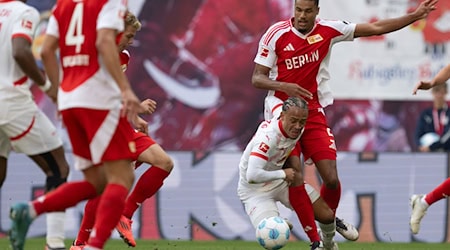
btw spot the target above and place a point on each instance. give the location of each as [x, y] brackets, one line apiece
[421, 202]
[292, 60]
[147, 151]
[97, 105]
[24, 128]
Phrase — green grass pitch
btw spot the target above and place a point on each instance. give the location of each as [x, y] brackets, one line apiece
[38, 244]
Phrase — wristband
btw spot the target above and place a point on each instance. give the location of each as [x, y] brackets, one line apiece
[46, 86]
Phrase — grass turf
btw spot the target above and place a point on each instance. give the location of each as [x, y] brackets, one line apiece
[38, 244]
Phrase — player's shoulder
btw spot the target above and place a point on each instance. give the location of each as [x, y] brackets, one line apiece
[276, 30]
[21, 7]
[333, 23]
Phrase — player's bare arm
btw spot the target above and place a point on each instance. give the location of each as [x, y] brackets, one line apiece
[441, 77]
[393, 24]
[50, 61]
[24, 57]
[149, 106]
[105, 43]
[261, 80]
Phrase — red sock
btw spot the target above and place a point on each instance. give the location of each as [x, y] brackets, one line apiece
[302, 205]
[65, 196]
[109, 210]
[148, 184]
[440, 192]
[88, 221]
[331, 196]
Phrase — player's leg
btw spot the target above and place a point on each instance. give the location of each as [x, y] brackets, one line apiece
[87, 223]
[147, 185]
[300, 200]
[420, 203]
[115, 155]
[33, 134]
[5, 149]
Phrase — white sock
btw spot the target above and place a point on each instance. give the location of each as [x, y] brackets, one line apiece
[328, 232]
[55, 229]
[423, 202]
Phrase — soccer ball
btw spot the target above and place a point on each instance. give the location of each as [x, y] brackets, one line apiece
[273, 233]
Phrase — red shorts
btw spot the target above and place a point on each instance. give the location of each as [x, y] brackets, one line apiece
[317, 141]
[98, 136]
[143, 142]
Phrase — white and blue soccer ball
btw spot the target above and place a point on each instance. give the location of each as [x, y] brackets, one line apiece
[273, 233]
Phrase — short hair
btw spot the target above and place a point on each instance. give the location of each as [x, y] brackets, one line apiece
[294, 102]
[131, 20]
[316, 2]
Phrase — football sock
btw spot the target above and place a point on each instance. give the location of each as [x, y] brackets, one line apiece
[331, 196]
[328, 232]
[109, 210]
[148, 184]
[65, 196]
[302, 206]
[440, 192]
[88, 221]
[55, 229]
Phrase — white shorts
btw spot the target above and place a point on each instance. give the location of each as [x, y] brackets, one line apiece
[31, 133]
[262, 205]
[272, 107]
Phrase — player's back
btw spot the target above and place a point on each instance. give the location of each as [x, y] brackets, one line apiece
[86, 82]
[16, 20]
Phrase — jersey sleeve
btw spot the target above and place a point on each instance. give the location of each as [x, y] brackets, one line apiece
[259, 156]
[345, 28]
[266, 55]
[26, 24]
[52, 27]
[112, 15]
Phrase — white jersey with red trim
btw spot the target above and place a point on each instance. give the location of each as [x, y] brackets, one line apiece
[303, 59]
[270, 144]
[86, 82]
[16, 20]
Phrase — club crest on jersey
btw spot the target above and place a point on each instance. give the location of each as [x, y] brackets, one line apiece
[315, 39]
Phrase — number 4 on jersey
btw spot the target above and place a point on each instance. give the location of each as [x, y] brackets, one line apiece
[74, 35]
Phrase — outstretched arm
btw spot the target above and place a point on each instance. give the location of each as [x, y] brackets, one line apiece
[442, 76]
[393, 24]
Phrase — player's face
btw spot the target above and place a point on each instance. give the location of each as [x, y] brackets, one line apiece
[127, 37]
[305, 13]
[293, 120]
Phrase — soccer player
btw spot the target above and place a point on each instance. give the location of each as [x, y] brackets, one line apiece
[97, 105]
[292, 60]
[147, 151]
[420, 202]
[262, 179]
[24, 128]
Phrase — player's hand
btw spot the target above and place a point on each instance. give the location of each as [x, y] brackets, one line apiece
[422, 85]
[290, 175]
[425, 8]
[131, 106]
[52, 92]
[141, 125]
[149, 106]
[293, 89]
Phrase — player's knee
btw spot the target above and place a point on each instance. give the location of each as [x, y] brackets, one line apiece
[331, 182]
[53, 182]
[166, 163]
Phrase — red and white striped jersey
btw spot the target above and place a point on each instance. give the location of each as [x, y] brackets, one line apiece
[303, 59]
[86, 82]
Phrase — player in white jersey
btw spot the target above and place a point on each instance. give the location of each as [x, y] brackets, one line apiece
[292, 60]
[96, 104]
[262, 179]
[147, 151]
[24, 128]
